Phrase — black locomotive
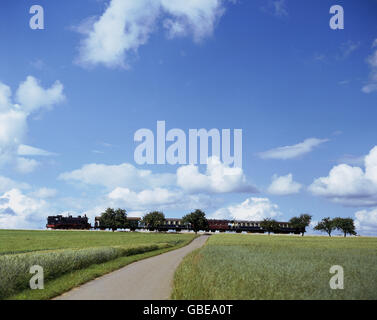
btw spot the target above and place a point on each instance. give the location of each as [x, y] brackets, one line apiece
[60, 222]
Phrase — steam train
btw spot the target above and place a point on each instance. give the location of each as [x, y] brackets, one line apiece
[135, 223]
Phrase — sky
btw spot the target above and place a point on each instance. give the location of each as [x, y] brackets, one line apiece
[73, 95]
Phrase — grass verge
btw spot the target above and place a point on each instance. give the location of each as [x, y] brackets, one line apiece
[67, 281]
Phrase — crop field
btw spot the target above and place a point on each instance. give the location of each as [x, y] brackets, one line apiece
[70, 258]
[245, 267]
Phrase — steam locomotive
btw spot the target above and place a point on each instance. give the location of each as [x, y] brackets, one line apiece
[60, 222]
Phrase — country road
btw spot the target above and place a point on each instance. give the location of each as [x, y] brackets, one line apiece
[148, 279]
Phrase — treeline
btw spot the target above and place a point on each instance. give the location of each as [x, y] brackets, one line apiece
[345, 225]
[117, 219]
[328, 225]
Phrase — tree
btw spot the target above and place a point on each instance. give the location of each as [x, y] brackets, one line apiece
[301, 222]
[120, 218]
[325, 225]
[154, 219]
[270, 225]
[346, 225]
[197, 219]
[113, 219]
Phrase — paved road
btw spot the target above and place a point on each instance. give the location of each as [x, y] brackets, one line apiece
[148, 279]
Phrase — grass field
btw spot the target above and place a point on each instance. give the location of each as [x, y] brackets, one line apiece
[245, 266]
[70, 258]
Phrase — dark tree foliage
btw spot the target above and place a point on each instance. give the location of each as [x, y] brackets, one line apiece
[346, 225]
[197, 219]
[325, 225]
[154, 219]
[113, 219]
[301, 222]
[270, 225]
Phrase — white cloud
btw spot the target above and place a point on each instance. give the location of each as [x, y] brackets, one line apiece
[159, 199]
[5, 95]
[352, 160]
[31, 97]
[254, 209]
[24, 150]
[44, 193]
[13, 127]
[284, 185]
[277, 8]
[126, 25]
[290, 152]
[371, 86]
[25, 165]
[123, 175]
[348, 47]
[350, 185]
[145, 199]
[6, 184]
[18, 211]
[366, 222]
[197, 17]
[218, 178]
[280, 8]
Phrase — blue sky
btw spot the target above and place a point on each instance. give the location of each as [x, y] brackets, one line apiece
[304, 95]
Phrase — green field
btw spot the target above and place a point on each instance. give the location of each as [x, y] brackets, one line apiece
[245, 266]
[70, 258]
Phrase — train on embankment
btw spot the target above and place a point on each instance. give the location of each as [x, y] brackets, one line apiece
[170, 224]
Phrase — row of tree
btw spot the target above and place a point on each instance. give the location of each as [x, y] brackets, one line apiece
[345, 225]
[328, 225]
[117, 219]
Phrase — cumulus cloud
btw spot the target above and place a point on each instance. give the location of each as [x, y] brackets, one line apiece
[146, 198]
[294, 151]
[123, 175]
[371, 86]
[18, 211]
[284, 185]
[366, 221]
[350, 185]
[30, 97]
[252, 209]
[159, 199]
[126, 25]
[218, 178]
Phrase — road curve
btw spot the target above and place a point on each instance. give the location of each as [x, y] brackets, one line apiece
[148, 279]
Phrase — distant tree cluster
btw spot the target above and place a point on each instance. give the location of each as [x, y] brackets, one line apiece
[197, 220]
[301, 222]
[113, 219]
[153, 219]
[345, 225]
